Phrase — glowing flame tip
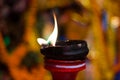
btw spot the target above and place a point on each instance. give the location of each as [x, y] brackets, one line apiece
[53, 37]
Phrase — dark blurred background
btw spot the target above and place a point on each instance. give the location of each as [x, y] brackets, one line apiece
[23, 21]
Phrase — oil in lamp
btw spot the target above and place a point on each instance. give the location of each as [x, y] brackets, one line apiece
[64, 59]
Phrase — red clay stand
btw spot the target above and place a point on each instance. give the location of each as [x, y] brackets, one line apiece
[64, 70]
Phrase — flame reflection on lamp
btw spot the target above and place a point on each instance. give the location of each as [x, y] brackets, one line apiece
[64, 59]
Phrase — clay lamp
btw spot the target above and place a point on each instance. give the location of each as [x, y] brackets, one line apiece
[64, 59]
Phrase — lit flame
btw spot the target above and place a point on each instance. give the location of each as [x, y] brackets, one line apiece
[53, 37]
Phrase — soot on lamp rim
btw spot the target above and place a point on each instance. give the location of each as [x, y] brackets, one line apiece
[66, 50]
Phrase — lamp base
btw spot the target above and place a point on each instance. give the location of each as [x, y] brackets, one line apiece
[64, 70]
